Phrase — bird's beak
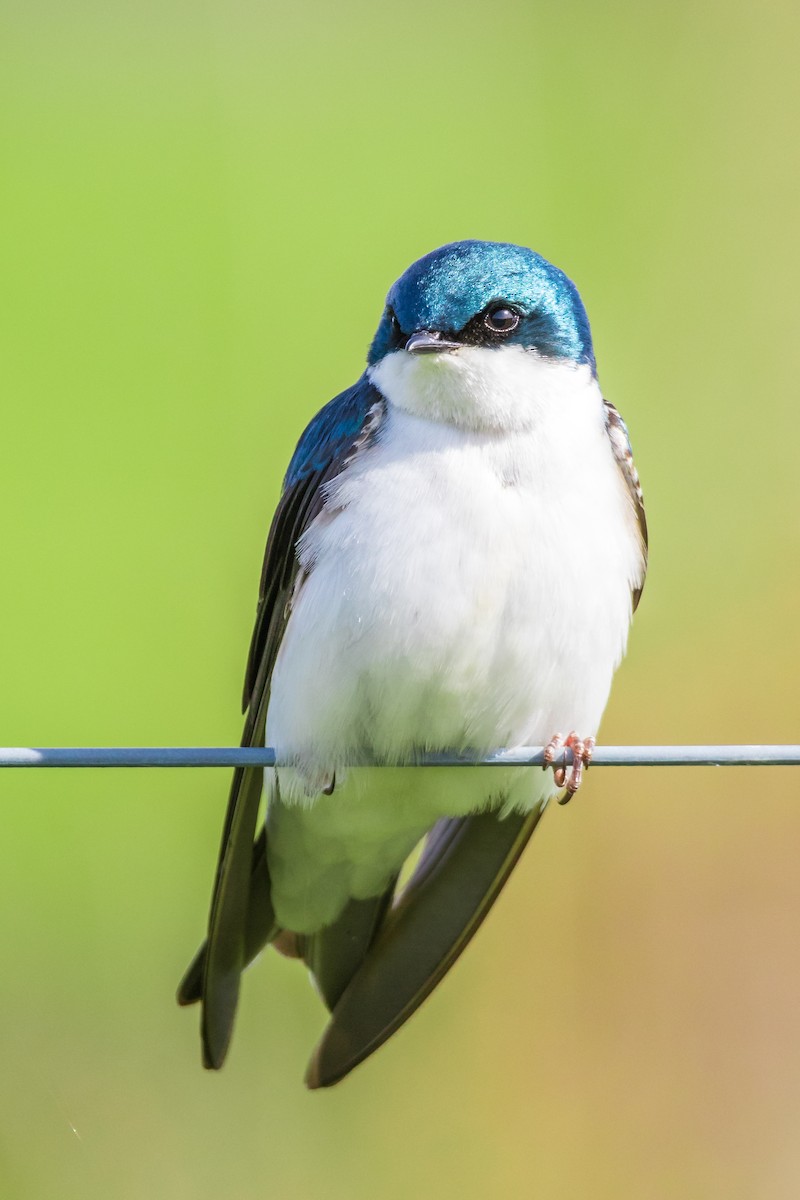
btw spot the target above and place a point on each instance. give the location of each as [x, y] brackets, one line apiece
[428, 341]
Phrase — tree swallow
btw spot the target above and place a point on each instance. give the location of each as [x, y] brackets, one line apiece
[453, 565]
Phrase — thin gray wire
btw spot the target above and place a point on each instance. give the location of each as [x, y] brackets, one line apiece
[523, 756]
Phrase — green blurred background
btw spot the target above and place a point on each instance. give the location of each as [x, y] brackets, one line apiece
[203, 206]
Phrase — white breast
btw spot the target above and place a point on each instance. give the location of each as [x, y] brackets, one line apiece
[469, 584]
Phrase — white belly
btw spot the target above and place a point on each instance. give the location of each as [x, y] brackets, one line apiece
[467, 591]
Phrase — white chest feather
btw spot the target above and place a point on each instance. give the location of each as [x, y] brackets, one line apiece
[469, 584]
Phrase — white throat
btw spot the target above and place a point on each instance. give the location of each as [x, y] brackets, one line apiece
[502, 390]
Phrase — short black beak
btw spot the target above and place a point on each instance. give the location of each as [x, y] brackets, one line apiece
[428, 341]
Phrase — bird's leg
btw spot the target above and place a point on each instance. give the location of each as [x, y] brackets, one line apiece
[582, 749]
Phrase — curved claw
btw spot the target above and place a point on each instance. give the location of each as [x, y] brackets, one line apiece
[566, 776]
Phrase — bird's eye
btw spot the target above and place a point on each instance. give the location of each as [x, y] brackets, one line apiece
[501, 319]
[395, 324]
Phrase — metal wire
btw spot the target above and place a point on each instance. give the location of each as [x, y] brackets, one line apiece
[523, 756]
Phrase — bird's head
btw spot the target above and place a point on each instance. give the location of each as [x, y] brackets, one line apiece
[475, 314]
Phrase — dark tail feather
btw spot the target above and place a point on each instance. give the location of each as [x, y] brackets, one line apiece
[225, 948]
[459, 876]
[336, 952]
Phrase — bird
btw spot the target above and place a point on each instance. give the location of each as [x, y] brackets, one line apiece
[452, 568]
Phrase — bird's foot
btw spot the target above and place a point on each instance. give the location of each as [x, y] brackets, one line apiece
[569, 777]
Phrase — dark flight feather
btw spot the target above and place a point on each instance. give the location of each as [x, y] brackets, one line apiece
[324, 450]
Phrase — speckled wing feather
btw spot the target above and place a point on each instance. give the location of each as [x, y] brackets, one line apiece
[240, 920]
[617, 432]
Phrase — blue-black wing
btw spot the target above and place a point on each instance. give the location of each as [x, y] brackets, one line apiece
[241, 919]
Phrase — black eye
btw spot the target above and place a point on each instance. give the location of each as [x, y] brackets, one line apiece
[501, 319]
[393, 321]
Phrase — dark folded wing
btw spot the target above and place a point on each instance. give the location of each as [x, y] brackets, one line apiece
[236, 928]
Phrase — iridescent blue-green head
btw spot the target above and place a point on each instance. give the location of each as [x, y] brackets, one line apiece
[487, 294]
